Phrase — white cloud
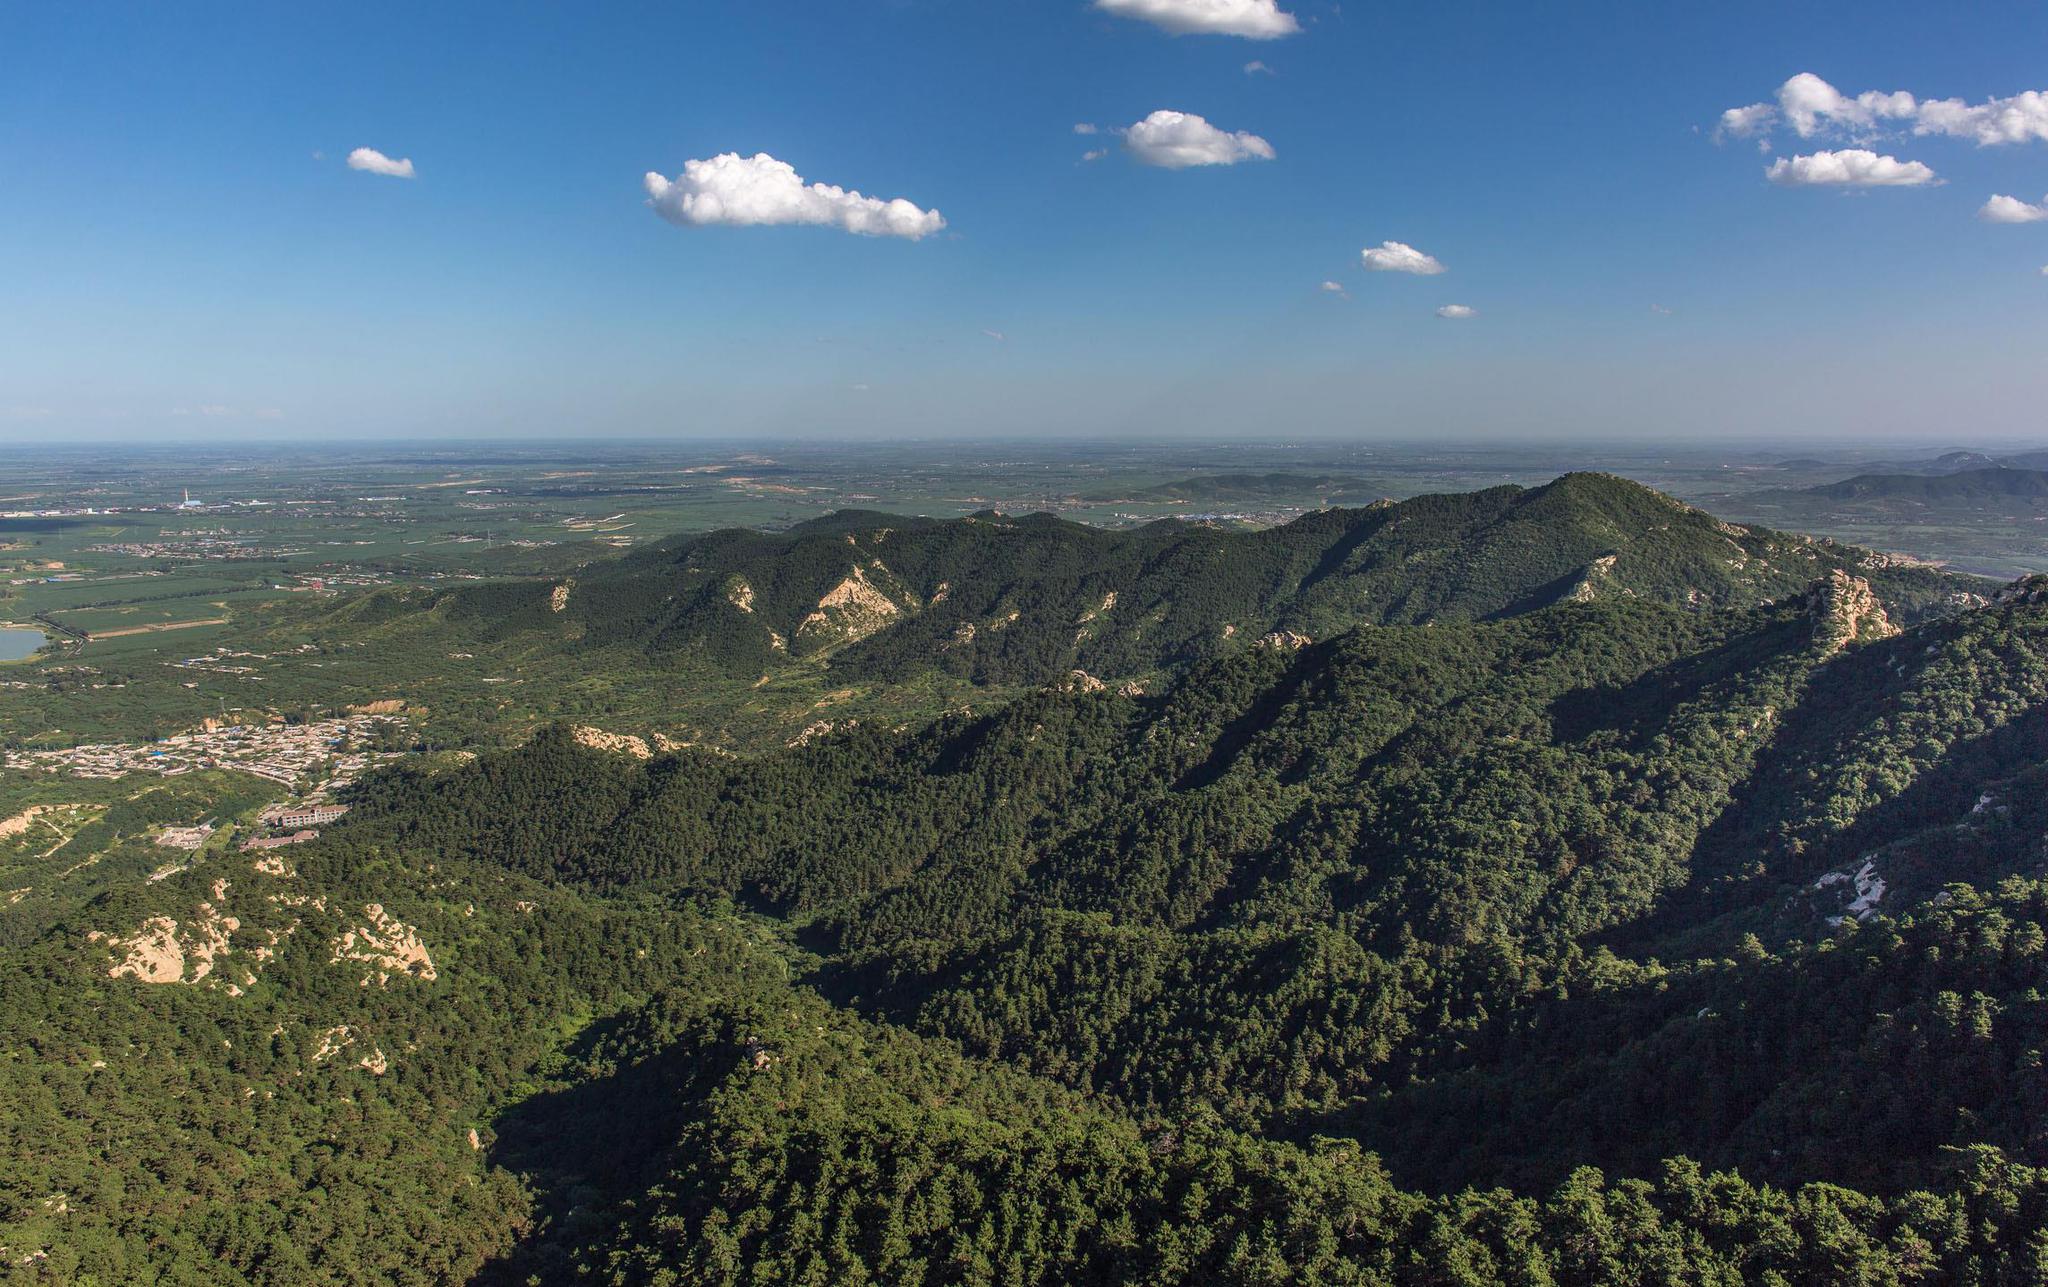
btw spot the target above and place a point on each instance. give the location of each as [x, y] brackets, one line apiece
[1255, 19]
[1085, 128]
[1398, 257]
[1810, 102]
[739, 191]
[997, 336]
[1853, 167]
[2022, 118]
[1813, 107]
[1334, 288]
[371, 161]
[1457, 312]
[1746, 122]
[1178, 140]
[2004, 209]
[1659, 310]
[1095, 154]
[1256, 67]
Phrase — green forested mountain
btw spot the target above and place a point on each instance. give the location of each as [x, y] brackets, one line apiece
[1998, 482]
[1690, 929]
[1002, 600]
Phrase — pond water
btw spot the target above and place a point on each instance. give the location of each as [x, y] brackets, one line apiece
[17, 642]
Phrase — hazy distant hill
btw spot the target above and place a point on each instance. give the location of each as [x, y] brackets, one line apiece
[1939, 489]
[1009, 600]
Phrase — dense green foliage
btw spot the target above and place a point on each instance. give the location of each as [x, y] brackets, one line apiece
[1025, 600]
[1560, 937]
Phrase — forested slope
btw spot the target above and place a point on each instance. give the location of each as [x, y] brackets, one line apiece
[1305, 878]
[1003, 600]
[1616, 937]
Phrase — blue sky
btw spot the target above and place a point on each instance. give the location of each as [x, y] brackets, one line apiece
[183, 249]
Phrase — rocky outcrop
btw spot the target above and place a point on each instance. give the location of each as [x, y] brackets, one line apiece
[621, 743]
[389, 947]
[849, 611]
[1847, 611]
[1285, 641]
[161, 952]
[2028, 589]
[1596, 574]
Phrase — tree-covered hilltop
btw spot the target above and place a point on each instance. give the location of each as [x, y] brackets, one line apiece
[1003, 600]
[1606, 940]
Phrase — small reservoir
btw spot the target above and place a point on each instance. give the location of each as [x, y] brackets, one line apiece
[17, 642]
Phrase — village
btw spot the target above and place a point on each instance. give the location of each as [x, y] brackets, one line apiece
[320, 756]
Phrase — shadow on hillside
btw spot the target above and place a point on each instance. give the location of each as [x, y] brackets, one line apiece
[1741, 871]
[585, 1149]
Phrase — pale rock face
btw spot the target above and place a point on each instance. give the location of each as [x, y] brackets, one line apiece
[159, 952]
[154, 954]
[19, 823]
[1285, 641]
[1846, 610]
[1590, 581]
[622, 743]
[388, 946]
[558, 598]
[740, 595]
[851, 610]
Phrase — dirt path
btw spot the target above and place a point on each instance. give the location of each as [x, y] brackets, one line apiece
[150, 630]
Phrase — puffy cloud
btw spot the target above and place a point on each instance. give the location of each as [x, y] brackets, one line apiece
[1095, 154]
[2004, 209]
[1457, 312]
[1257, 67]
[742, 191]
[2022, 118]
[1811, 106]
[1853, 167]
[1254, 19]
[1334, 288]
[371, 161]
[1178, 140]
[1084, 128]
[1810, 102]
[1746, 122]
[1399, 257]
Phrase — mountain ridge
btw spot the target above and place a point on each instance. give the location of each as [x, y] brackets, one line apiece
[998, 599]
